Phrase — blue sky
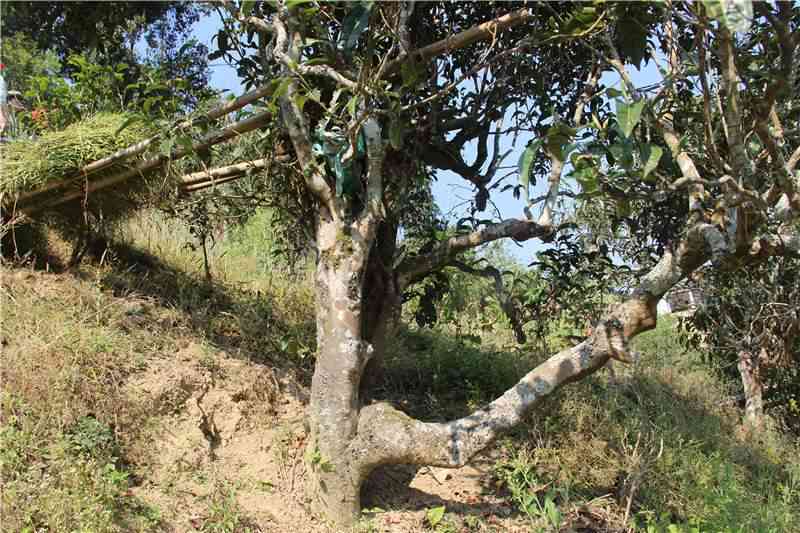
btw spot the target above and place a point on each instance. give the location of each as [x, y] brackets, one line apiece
[451, 192]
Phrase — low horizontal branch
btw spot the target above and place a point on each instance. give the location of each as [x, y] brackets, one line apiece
[238, 169]
[395, 438]
[201, 185]
[415, 268]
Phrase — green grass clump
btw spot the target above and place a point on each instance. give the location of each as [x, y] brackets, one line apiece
[30, 163]
[66, 426]
[658, 448]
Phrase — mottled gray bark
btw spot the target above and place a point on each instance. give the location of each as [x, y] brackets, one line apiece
[749, 370]
[349, 440]
[342, 356]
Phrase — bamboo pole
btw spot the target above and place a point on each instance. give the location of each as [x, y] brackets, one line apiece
[223, 172]
[141, 146]
[225, 134]
[200, 185]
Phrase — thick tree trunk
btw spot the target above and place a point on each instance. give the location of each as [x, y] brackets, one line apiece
[349, 439]
[753, 387]
[342, 356]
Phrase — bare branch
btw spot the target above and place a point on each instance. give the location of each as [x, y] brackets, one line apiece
[687, 166]
[729, 81]
[296, 122]
[588, 91]
[707, 123]
[415, 268]
[404, 32]
[238, 169]
[556, 167]
[784, 172]
[376, 151]
[397, 438]
[615, 61]
[791, 163]
[477, 33]
[201, 185]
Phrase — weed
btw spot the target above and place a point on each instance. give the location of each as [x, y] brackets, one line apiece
[93, 438]
[224, 514]
[434, 515]
[519, 476]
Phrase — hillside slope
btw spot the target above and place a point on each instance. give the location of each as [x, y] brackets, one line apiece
[141, 398]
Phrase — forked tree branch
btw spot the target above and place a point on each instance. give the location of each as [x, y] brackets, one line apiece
[415, 268]
[394, 437]
[729, 81]
[460, 40]
[288, 53]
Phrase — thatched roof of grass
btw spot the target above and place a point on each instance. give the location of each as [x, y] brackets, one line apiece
[29, 164]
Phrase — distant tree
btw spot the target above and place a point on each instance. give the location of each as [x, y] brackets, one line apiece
[750, 322]
[108, 37]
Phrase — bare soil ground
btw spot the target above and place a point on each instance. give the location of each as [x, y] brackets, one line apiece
[231, 431]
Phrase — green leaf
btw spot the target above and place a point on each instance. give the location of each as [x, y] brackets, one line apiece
[247, 7]
[736, 15]
[185, 142]
[411, 71]
[584, 171]
[166, 146]
[317, 61]
[294, 3]
[559, 136]
[127, 123]
[434, 515]
[281, 89]
[301, 99]
[580, 21]
[351, 105]
[632, 40]
[354, 24]
[222, 40]
[525, 163]
[623, 154]
[396, 134]
[628, 115]
[148, 103]
[651, 155]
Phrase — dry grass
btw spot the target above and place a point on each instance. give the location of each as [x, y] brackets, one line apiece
[29, 164]
[65, 423]
[142, 397]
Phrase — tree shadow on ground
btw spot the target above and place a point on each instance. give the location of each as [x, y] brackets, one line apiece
[243, 324]
[663, 426]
